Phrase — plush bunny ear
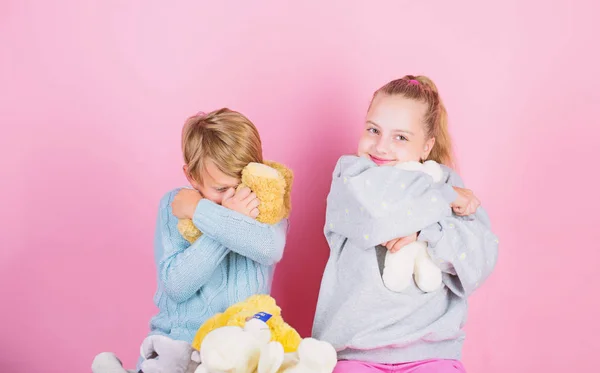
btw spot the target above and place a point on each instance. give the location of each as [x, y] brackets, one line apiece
[435, 170]
[410, 166]
[431, 168]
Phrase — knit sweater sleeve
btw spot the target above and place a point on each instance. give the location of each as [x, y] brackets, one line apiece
[464, 247]
[183, 268]
[262, 243]
[369, 204]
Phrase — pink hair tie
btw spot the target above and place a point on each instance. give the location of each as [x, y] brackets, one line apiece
[413, 81]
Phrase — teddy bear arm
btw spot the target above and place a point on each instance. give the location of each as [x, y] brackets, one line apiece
[188, 230]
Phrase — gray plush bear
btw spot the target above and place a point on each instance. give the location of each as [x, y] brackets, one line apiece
[161, 355]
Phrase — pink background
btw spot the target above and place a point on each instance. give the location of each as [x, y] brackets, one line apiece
[93, 95]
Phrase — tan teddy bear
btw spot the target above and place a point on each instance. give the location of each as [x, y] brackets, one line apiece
[272, 184]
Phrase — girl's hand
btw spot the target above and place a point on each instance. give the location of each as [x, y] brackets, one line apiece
[466, 203]
[398, 243]
[185, 202]
[243, 201]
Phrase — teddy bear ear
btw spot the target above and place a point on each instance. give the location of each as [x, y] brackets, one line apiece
[288, 176]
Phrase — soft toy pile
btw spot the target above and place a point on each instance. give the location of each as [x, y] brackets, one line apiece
[413, 259]
[254, 347]
[242, 345]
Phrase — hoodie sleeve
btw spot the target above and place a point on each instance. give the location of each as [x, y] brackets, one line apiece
[465, 248]
[370, 204]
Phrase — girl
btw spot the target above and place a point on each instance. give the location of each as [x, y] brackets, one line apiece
[373, 207]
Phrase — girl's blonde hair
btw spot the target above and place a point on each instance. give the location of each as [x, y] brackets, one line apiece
[422, 89]
[224, 136]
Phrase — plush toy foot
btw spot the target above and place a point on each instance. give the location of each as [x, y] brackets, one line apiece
[107, 362]
[399, 277]
[399, 267]
[271, 358]
[428, 276]
[314, 356]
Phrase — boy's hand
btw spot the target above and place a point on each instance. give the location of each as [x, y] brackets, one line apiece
[185, 202]
[243, 201]
[398, 243]
[466, 203]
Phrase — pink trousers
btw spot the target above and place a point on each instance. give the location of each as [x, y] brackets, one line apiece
[425, 366]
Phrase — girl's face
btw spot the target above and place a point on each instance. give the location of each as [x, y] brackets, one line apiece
[394, 131]
[214, 182]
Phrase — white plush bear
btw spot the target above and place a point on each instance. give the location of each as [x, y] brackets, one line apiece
[231, 349]
[413, 258]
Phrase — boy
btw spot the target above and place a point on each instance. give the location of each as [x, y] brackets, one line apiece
[236, 255]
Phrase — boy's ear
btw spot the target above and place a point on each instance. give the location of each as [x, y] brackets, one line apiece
[186, 173]
[189, 178]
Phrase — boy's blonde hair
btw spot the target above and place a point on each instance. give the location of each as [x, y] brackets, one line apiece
[224, 136]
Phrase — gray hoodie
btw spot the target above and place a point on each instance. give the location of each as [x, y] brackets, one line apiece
[368, 205]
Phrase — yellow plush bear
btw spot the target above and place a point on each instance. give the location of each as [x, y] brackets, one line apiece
[239, 313]
[272, 184]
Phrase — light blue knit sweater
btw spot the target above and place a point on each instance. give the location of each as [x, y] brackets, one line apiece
[233, 259]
